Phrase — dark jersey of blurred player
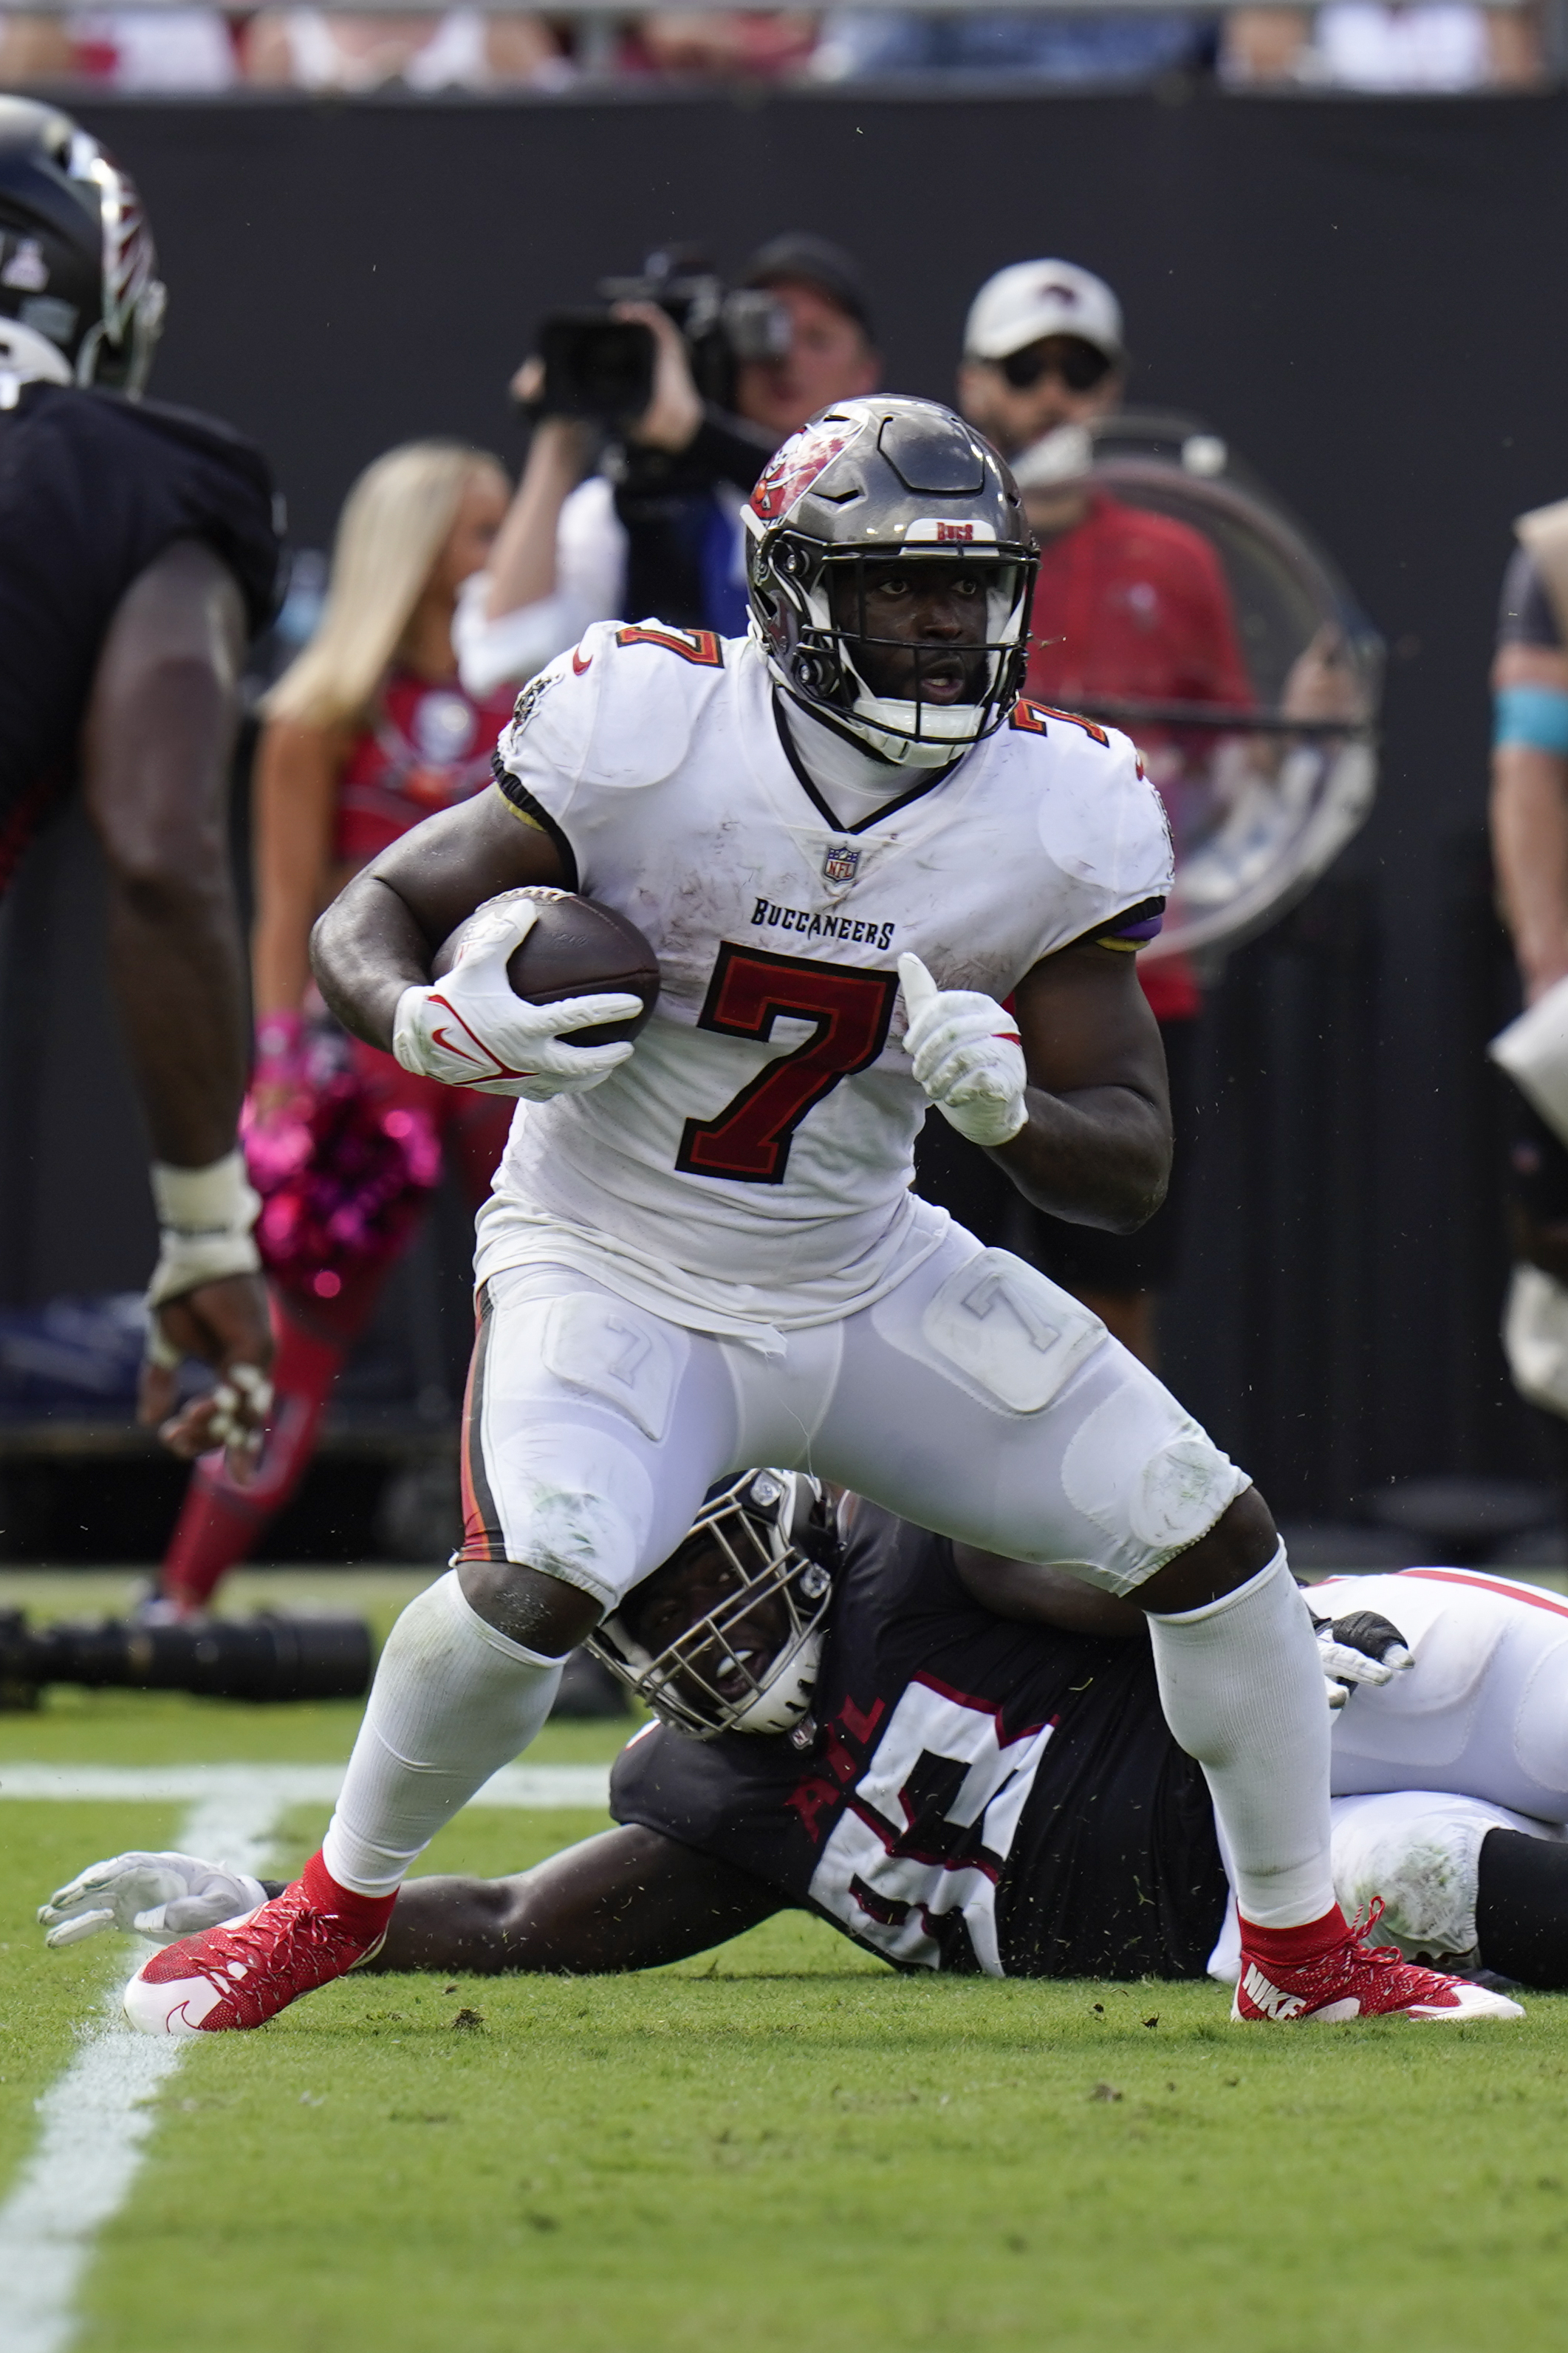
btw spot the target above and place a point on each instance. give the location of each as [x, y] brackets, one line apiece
[979, 1795]
[93, 489]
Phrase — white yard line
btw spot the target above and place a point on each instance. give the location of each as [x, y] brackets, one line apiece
[95, 2121]
[546, 1789]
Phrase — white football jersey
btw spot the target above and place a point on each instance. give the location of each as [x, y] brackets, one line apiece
[749, 1165]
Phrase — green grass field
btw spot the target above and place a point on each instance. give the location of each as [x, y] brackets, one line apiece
[784, 2145]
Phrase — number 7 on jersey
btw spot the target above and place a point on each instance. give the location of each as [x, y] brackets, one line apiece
[750, 989]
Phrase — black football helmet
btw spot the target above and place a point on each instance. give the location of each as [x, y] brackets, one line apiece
[749, 1663]
[866, 479]
[81, 302]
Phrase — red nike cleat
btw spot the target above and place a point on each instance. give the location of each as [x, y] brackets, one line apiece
[1348, 1977]
[244, 1971]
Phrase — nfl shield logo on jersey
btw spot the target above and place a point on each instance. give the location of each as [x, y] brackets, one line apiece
[842, 863]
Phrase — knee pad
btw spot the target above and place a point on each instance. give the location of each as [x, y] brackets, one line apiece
[584, 1521]
[1147, 1473]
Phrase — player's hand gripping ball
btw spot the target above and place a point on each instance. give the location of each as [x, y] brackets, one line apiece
[539, 993]
[966, 1056]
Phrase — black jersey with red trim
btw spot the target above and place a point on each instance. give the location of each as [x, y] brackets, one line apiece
[980, 1795]
[93, 488]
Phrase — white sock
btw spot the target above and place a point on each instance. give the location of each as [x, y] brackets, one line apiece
[452, 1702]
[1243, 1692]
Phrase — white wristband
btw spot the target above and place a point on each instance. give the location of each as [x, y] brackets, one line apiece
[204, 1218]
[216, 1199]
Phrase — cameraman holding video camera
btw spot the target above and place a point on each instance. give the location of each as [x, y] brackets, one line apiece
[689, 391]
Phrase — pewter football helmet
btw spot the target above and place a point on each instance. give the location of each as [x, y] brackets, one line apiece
[778, 1550]
[866, 479]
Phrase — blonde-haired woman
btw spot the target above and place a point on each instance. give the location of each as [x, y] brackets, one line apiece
[368, 731]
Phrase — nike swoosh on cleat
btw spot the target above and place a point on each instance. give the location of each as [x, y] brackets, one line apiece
[578, 664]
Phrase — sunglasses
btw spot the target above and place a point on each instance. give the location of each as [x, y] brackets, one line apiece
[1079, 365]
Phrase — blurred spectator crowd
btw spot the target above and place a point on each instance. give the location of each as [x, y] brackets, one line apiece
[1431, 45]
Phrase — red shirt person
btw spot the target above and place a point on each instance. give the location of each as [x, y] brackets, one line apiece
[1129, 603]
[1134, 604]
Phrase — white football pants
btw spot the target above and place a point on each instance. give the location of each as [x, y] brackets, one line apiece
[1472, 1738]
[976, 1399]
[1484, 1710]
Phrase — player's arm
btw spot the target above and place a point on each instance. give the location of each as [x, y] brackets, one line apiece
[159, 736]
[1361, 1648]
[629, 1899]
[1035, 1595]
[1530, 808]
[372, 949]
[1069, 1094]
[379, 934]
[1096, 1144]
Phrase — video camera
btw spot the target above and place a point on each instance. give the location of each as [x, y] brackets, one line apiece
[600, 368]
[266, 1657]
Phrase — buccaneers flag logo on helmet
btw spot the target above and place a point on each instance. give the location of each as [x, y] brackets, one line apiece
[797, 465]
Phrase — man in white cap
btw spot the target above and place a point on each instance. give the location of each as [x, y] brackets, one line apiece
[1127, 603]
[1042, 348]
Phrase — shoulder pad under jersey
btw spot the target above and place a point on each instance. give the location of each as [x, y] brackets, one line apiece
[1101, 820]
[617, 711]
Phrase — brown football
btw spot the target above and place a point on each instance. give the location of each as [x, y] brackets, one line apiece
[577, 948]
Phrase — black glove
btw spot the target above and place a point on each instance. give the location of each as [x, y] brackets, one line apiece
[1361, 1648]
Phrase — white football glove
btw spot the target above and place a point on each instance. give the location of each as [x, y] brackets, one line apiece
[160, 1896]
[1361, 1648]
[471, 1029]
[966, 1055]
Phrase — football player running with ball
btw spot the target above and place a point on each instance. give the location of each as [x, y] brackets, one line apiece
[849, 841]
